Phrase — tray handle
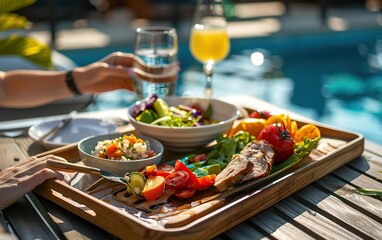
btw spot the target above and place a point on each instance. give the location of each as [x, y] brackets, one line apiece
[84, 205]
[70, 167]
[192, 214]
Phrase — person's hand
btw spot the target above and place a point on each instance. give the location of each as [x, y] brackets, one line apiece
[110, 73]
[20, 179]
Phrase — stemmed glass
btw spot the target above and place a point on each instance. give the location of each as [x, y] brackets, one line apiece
[209, 42]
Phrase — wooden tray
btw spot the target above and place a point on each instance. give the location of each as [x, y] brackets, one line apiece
[336, 148]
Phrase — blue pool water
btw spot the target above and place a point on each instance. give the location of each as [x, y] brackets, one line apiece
[334, 78]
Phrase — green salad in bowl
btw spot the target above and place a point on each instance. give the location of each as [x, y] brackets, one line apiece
[156, 111]
[182, 123]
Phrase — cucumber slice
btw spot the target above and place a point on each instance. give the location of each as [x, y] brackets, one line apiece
[161, 107]
[146, 116]
[136, 182]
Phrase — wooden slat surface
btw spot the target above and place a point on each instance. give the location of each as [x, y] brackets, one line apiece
[319, 226]
[326, 209]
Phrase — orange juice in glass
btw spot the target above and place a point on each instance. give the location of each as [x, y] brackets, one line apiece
[209, 42]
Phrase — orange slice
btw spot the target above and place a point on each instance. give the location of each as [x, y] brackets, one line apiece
[253, 125]
[274, 119]
[238, 126]
[287, 121]
[283, 119]
[308, 130]
[293, 128]
[154, 188]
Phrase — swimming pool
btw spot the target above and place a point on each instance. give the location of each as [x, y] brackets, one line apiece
[334, 78]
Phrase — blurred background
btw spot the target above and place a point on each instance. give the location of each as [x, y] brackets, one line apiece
[322, 59]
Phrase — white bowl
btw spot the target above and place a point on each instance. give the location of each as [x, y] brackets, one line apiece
[183, 139]
[87, 145]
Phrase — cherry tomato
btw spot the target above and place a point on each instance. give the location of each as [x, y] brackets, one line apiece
[193, 181]
[260, 114]
[185, 193]
[177, 180]
[164, 170]
[280, 139]
[206, 181]
[154, 187]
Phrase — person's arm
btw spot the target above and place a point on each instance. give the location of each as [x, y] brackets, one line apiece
[29, 88]
[32, 88]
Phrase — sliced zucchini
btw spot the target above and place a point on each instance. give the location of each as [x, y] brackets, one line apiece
[136, 182]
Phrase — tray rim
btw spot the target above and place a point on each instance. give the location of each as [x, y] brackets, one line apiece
[354, 143]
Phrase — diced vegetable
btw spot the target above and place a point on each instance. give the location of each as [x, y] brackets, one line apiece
[206, 181]
[112, 148]
[124, 148]
[164, 170]
[193, 180]
[194, 166]
[149, 170]
[199, 172]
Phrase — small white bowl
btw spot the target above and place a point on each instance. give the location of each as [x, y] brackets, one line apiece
[87, 145]
[183, 139]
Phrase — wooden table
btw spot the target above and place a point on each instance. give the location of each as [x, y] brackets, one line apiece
[328, 208]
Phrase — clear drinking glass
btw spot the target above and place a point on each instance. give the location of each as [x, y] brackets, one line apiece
[209, 42]
[158, 48]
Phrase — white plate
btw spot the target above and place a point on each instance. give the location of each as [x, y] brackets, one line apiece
[76, 130]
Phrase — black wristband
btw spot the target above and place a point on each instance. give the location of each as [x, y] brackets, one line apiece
[71, 84]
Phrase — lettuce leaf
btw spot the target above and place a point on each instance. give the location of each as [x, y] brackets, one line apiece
[226, 147]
